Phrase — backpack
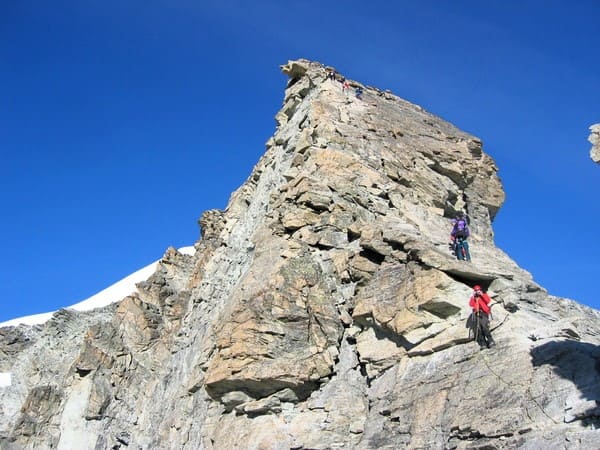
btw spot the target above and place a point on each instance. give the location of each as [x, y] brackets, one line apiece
[462, 232]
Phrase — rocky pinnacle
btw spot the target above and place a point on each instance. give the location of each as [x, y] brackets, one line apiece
[594, 138]
[321, 310]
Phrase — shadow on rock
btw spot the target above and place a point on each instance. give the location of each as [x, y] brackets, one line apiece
[578, 362]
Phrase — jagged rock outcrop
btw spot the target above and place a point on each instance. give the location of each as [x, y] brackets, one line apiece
[322, 309]
[594, 138]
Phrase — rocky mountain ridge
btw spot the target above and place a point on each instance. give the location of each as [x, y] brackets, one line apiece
[321, 309]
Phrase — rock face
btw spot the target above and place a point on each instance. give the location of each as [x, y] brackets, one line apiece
[594, 138]
[322, 309]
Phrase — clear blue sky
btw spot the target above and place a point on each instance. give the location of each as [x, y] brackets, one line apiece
[121, 121]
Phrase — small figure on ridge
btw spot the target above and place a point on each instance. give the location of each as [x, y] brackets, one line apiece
[345, 87]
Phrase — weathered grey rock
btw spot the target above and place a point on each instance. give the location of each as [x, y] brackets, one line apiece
[594, 138]
[322, 310]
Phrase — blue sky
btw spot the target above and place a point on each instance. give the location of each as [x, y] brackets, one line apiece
[121, 122]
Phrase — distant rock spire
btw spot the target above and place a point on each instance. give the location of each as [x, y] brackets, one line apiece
[594, 138]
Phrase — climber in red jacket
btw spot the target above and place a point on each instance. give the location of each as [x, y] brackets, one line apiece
[480, 304]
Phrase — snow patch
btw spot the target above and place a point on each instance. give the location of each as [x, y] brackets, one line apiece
[111, 294]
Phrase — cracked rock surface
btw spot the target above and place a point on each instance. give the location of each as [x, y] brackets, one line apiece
[322, 309]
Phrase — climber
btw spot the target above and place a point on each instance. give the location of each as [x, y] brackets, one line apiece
[345, 87]
[480, 317]
[458, 238]
[359, 92]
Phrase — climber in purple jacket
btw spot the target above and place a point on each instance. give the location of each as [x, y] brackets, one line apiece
[458, 237]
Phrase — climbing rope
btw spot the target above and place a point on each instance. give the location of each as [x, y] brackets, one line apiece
[511, 385]
[506, 383]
